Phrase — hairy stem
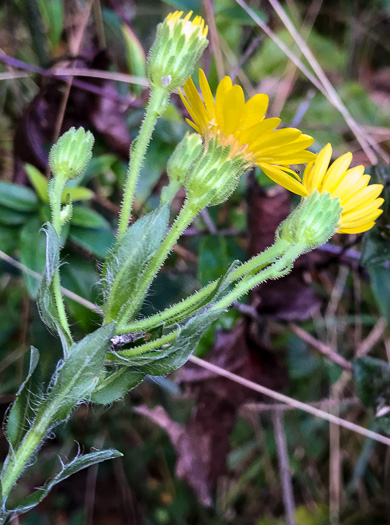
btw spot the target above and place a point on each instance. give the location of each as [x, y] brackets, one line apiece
[157, 100]
[181, 310]
[55, 195]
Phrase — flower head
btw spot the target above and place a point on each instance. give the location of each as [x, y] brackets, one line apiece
[178, 46]
[241, 126]
[359, 201]
[70, 155]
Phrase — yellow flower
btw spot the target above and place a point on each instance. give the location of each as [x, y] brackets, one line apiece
[359, 201]
[242, 126]
[178, 46]
[188, 27]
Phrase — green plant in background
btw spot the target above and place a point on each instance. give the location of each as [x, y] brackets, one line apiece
[235, 136]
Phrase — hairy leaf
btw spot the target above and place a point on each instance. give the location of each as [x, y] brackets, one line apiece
[126, 262]
[23, 410]
[163, 361]
[46, 300]
[79, 463]
[78, 376]
[114, 385]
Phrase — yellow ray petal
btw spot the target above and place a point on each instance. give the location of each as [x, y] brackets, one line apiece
[250, 135]
[336, 172]
[360, 185]
[207, 95]
[365, 195]
[358, 229]
[320, 167]
[232, 109]
[254, 110]
[348, 183]
[223, 87]
[362, 213]
[278, 176]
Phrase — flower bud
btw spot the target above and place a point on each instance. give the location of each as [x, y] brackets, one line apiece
[70, 155]
[179, 44]
[214, 174]
[313, 222]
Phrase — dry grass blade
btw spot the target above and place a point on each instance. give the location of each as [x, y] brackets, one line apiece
[324, 86]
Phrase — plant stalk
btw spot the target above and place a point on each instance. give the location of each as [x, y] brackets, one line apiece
[157, 101]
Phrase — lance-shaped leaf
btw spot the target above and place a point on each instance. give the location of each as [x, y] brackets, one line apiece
[28, 397]
[163, 361]
[115, 384]
[79, 463]
[78, 376]
[126, 262]
[46, 300]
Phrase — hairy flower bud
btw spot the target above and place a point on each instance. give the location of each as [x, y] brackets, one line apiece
[313, 222]
[179, 44]
[214, 174]
[70, 155]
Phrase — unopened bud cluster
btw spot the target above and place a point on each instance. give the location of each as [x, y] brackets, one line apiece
[313, 222]
[178, 46]
[214, 174]
[70, 155]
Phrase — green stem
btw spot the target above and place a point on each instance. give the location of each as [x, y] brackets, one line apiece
[142, 349]
[181, 309]
[281, 267]
[157, 101]
[185, 217]
[55, 195]
[278, 269]
[18, 460]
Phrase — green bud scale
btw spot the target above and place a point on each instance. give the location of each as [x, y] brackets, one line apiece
[178, 46]
[313, 222]
[70, 155]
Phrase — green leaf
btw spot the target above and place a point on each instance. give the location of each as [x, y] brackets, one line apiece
[135, 56]
[46, 300]
[17, 197]
[38, 180]
[23, 410]
[79, 463]
[32, 253]
[8, 239]
[77, 194]
[87, 218]
[11, 217]
[115, 384]
[96, 241]
[126, 262]
[376, 246]
[380, 285]
[161, 362]
[52, 12]
[78, 376]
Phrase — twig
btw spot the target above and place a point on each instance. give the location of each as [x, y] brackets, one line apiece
[214, 38]
[290, 401]
[326, 350]
[208, 221]
[284, 468]
[247, 53]
[325, 403]
[373, 337]
[36, 275]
